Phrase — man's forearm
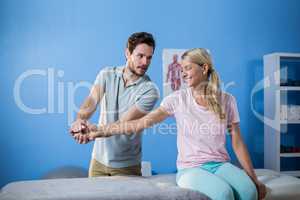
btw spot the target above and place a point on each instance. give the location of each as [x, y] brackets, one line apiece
[87, 108]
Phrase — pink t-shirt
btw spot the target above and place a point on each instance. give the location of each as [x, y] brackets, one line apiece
[201, 135]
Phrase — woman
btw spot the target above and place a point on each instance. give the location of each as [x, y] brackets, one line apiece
[203, 112]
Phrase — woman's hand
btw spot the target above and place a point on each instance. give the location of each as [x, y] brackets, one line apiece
[82, 138]
[262, 189]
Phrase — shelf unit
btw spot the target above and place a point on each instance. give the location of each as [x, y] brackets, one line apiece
[289, 155]
[289, 88]
[272, 105]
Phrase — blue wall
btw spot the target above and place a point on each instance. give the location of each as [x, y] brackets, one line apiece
[80, 37]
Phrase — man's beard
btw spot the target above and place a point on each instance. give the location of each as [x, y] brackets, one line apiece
[131, 69]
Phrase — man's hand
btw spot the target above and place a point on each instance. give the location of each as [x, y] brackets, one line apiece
[78, 126]
[87, 135]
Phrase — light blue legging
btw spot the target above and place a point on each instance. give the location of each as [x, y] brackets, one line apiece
[218, 181]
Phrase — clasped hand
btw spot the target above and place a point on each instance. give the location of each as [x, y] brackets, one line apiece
[83, 131]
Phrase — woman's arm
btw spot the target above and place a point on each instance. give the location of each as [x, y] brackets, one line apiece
[129, 127]
[243, 156]
[241, 151]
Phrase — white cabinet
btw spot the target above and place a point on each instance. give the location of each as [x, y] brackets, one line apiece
[282, 112]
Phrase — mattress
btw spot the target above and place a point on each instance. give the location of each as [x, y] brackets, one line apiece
[279, 186]
[161, 187]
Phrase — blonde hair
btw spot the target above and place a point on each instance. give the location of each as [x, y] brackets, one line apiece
[212, 92]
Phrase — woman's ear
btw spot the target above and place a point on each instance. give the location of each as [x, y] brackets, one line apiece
[205, 68]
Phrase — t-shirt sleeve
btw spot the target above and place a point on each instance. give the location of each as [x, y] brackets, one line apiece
[232, 111]
[101, 78]
[147, 100]
[169, 103]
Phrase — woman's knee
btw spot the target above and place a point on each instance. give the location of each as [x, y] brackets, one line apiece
[243, 186]
[212, 186]
[215, 193]
[224, 192]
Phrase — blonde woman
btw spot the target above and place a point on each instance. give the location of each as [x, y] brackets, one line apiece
[202, 113]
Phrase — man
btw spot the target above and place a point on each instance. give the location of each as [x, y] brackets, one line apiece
[126, 93]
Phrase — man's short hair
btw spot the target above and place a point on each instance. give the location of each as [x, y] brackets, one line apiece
[140, 38]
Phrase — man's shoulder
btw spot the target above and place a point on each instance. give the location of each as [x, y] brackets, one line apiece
[111, 69]
[109, 72]
[147, 84]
